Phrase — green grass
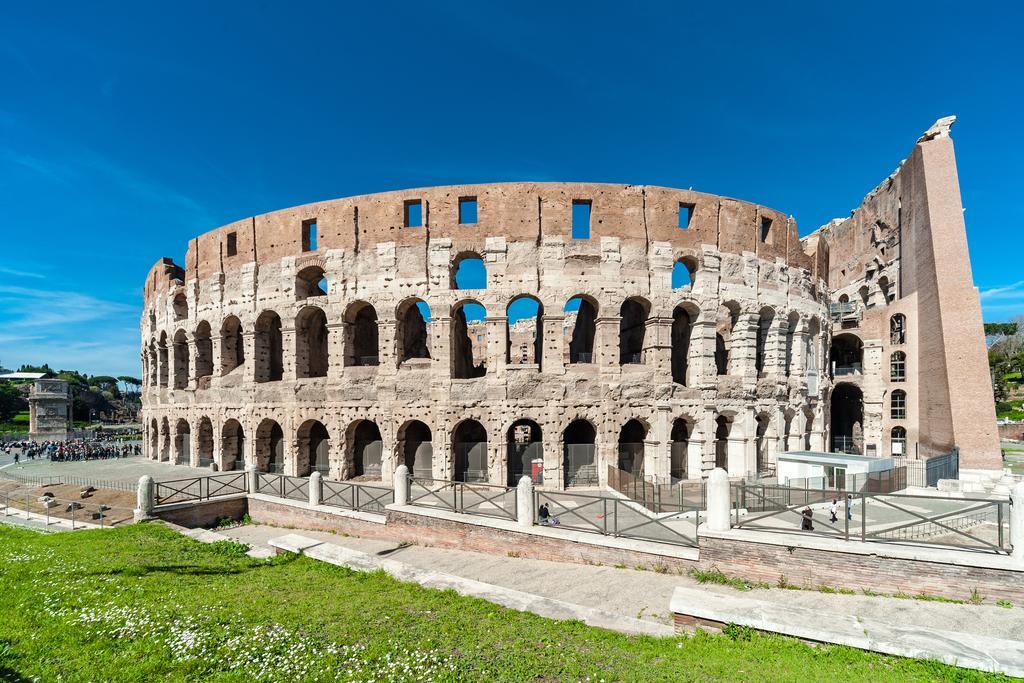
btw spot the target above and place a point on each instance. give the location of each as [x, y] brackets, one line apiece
[144, 603]
[1011, 410]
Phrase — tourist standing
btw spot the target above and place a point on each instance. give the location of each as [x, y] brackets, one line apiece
[833, 511]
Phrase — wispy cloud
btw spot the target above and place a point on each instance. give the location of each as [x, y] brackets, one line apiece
[1014, 291]
[1003, 302]
[20, 273]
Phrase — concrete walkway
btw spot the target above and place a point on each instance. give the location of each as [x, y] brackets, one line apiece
[647, 595]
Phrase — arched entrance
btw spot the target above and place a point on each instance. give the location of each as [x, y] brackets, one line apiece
[847, 419]
[366, 450]
[232, 446]
[680, 449]
[469, 452]
[524, 446]
[723, 427]
[417, 449]
[580, 462]
[182, 443]
[270, 447]
[205, 442]
[314, 449]
[631, 447]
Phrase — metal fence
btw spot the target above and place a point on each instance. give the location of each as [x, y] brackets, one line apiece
[50, 480]
[927, 472]
[201, 488]
[352, 496]
[885, 481]
[960, 523]
[283, 486]
[616, 517]
[51, 510]
[677, 497]
[484, 500]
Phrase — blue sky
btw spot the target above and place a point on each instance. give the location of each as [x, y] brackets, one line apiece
[127, 128]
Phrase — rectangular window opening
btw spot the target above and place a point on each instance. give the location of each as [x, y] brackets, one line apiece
[766, 227]
[232, 243]
[414, 213]
[309, 241]
[685, 214]
[581, 219]
[467, 210]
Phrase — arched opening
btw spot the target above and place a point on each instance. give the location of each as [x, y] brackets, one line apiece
[723, 427]
[165, 440]
[787, 430]
[580, 461]
[898, 329]
[154, 440]
[412, 340]
[469, 271]
[270, 447]
[808, 429]
[362, 338]
[684, 273]
[846, 355]
[311, 351]
[314, 449]
[865, 295]
[469, 450]
[415, 445]
[469, 341]
[269, 348]
[204, 351]
[182, 443]
[180, 305]
[791, 324]
[847, 419]
[309, 282]
[811, 355]
[366, 450]
[898, 441]
[765, 320]
[632, 330]
[631, 447]
[682, 324]
[164, 363]
[524, 446]
[762, 446]
[885, 287]
[725, 325]
[524, 335]
[898, 366]
[181, 360]
[232, 350]
[232, 446]
[154, 365]
[680, 449]
[205, 442]
[581, 318]
[898, 405]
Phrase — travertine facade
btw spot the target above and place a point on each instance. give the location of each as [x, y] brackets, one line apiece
[49, 410]
[296, 340]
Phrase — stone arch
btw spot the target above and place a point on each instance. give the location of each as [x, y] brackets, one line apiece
[467, 268]
[204, 351]
[723, 431]
[524, 444]
[581, 313]
[762, 344]
[680, 448]
[579, 456]
[468, 340]
[684, 272]
[365, 450]
[846, 356]
[631, 447]
[154, 365]
[792, 323]
[232, 446]
[164, 363]
[524, 336]
[165, 440]
[205, 442]
[313, 449]
[362, 335]
[469, 451]
[181, 359]
[154, 440]
[270, 447]
[764, 442]
[182, 442]
[311, 343]
[180, 306]
[725, 327]
[232, 349]
[268, 348]
[683, 318]
[847, 410]
[311, 281]
[633, 318]
[416, 448]
[412, 339]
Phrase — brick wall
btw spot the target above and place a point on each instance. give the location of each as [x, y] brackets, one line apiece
[204, 514]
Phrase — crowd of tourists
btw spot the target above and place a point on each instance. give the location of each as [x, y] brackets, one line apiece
[74, 450]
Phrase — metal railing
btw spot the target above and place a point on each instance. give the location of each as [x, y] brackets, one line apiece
[352, 496]
[675, 497]
[615, 517]
[50, 480]
[283, 486]
[483, 500]
[201, 488]
[51, 510]
[977, 524]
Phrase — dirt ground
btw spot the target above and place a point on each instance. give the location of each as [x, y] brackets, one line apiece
[18, 496]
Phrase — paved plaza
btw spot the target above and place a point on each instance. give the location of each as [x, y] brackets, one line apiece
[121, 470]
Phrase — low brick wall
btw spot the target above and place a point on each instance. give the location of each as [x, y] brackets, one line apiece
[202, 514]
[293, 517]
[1012, 431]
[814, 567]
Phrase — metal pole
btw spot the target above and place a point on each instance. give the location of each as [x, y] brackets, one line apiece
[999, 507]
[604, 517]
[846, 522]
[863, 517]
[615, 509]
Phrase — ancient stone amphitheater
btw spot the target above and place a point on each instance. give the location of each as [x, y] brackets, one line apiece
[481, 332]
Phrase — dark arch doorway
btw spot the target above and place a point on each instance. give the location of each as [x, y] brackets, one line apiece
[631, 447]
[847, 419]
[469, 451]
[417, 449]
[367, 450]
[524, 445]
[680, 449]
[580, 454]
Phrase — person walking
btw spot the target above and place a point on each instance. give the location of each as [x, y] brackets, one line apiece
[805, 522]
[833, 511]
[849, 506]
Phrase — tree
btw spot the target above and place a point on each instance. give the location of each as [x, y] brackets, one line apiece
[11, 401]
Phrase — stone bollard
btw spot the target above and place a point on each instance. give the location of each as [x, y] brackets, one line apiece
[524, 503]
[717, 518]
[251, 479]
[145, 495]
[1017, 522]
[213, 467]
[314, 488]
[402, 485]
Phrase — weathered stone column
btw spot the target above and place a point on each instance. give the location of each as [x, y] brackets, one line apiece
[386, 358]
[496, 332]
[216, 345]
[288, 353]
[553, 352]
[251, 478]
[193, 361]
[606, 341]
[718, 501]
[440, 348]
[249, 367]
[401, 485]
[743, 348]
[145, 498]
[658, 346]
[524, 503]
[701, 360]
[314, 488]
[336, 334]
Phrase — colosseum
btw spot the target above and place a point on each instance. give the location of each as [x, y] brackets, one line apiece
[483, 332]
